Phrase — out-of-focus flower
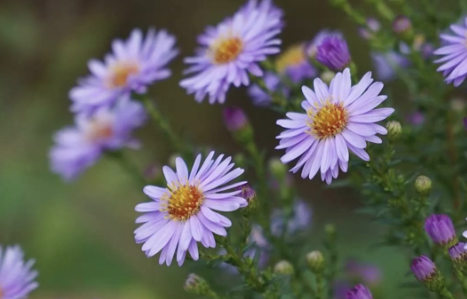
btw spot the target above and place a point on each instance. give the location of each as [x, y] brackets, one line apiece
[454, 52]
[333, 53]
[261, 97]
[337, 119]
[108, 129]
[441, 230]
[17, 279]
[235, 119]
[416, 118]
[284, 268]
[295, 65]
[134, 65]
[367, 273]
[232, 50]
[312, 49]
[386, 64]
[458, 252]
[300, 219]
[359, 292]
[401, 25]
[181, 214]
[316, 261]
[372, 26]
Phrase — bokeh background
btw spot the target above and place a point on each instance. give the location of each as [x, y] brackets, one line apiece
[81, 233]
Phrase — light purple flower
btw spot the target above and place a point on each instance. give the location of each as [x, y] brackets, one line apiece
[235, 119]
[359, 292]
[108, 129]
[423, 268]
[181, 214]
[295, 65]
[300, 219]
[133, 65]
[232, 50]
[372, 26]
[259, 96]
[17, 279]
[386, 64]
[338, 118]
[333, 53]
[454, 52]
[441, 229]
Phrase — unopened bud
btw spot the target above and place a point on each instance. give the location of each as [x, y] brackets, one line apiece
[394, 129]
[247, 193]
[327, 76]
[284, 268]
[423, 184]
[196, 285]
[426, 272]
[277, 168]
[402, 25]
[316, 262]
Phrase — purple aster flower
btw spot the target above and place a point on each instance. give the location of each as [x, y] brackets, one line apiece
[441, 229]
[181, 214]
[372, 26]
[386, 64]
[259, 96]
[368, 273]
[454, 52]
[109, 129]
[458, 252]
[401, 24]
[294, 64]
[312, 49]
[423, 268]
[134, 65]
[359, 292]
[17, 279]
[300, 220]
[235, 119]
[416, 118]
[232, 50]
[338, 118]
[333, 52]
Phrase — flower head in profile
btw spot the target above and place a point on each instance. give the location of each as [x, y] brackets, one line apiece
[184, 213]
[333, 53]
[359, 292]
[231, 51]
[454, 54]
[337, 119]
[295, 65]
[132, 66]
[441, 230]
[17, 279]
[108, 129]
[312, 49]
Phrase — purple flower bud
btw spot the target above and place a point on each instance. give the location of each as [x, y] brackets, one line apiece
[423, 268]
[441, 230]
[359, 292]
[235, 119]
[372, 26]
[247, 193]
[333, 52]
[401, 24]
[416, 118]
[458, 252]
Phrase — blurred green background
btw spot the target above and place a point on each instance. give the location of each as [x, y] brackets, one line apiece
[81, 233]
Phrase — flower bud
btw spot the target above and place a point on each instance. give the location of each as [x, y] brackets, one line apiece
[394, 129]
[359, 292]
[235, 119]
[277, 168]
[316, 261]
[426, 272]
[441, 230]
[458, 253]
[423, 184]
[196, 285]
[284, 268]
[247, 193]
[333, 53]
[402, 25]
[327, 76]
[372, 26]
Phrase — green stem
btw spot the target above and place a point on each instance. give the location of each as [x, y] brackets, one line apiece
[128, 167]
[445, 294]
[462, 281]
[319, 286]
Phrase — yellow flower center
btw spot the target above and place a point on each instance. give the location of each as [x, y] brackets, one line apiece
[183, 202]
[98, 130]
[120, 73]
[293, 56]
[227, 49]
[328, 121]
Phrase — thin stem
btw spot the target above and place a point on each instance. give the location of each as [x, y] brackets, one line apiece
[319, 287]
[444, 293]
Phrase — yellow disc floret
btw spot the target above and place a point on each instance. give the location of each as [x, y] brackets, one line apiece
[120, 73]
[182, 202]
[226, 50]
[293, 56]
[328, 120]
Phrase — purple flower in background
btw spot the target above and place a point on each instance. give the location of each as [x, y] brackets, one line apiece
[338, 118]
[401, 24]
[300, 219]
[108, 129]
[441, 229]
[182, 214]
[232, 50]
[416, 118]
[17, 279]
[458, 252]
[359, 292]
[295, 65]
[312, 49]
[423, 268]
[333, 52]
[372, 26]
[134, 65]
[454, 52]
[368, 273]
[259, 96]
[386, 64]
[235, 119]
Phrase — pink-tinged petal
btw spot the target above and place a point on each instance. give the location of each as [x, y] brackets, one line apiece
[226, 178]
[291, 124]
[305, 157]
[222, 195]
[208, 240]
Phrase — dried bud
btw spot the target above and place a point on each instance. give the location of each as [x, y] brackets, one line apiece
[423, 184]
[196, 285]
[284, 268]
[394, 129]
[316, 261]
